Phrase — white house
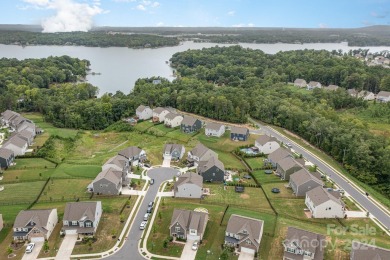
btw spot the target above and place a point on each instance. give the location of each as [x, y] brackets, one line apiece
[300, 83]
[313, 85]
[144, 112]
[366, 95]
[16, 144]
[189, 185]
[267, 144]
[324, 204]
[159, 114]
[173, 120]
[214, 129]
[383, 96]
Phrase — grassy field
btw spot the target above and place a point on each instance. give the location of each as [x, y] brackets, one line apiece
[180, 136]
[255, 163]
[75, 188]
[261, 177]
[73, 170]
[27, 174]
[24, 192]
[160, 130]
[33, 163]
[284, 192]
[143, 126]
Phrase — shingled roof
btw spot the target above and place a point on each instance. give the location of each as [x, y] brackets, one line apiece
[263, 139]
[171, 116]
[189, 177]
[17, 141]
[130, 152]
[213, 126]
[362, 251]
[305, 240]
[239, 130]
[110, 175]
[253, 227]
[75, 211]
[288, 163]
[6, 153]
[189, 120]
[278, 155]
[159, 110]
[189, 219]
[302, 176]
[319, 195]
[213, 161]
[199, 150]
[39, 216]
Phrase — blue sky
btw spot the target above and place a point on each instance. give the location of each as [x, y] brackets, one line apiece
[226, 13]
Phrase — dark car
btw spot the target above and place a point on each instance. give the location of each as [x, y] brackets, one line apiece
[151, 204]
[147, 165]
[149, 210]
[151, 181]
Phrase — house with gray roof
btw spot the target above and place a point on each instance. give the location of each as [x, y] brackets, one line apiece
[300, 83]
[133, 154]
[172, 120]
[361, 251]
[108, 182]
[7, 156]
[200, 153]
[301, 244]
[35, 225]
[18, 120]
[173, 151]
[244, 233]
[144, 112]
[366, 95]
[239, 133]
[214, 129]
[28, 126]
[212, 170]
[27, 135]
[352, 92]
[190, 124]
[287, 166]
[189, 185]
[324, 204]
[118, 163]
[267, 144]
[82, 217]
[159, 114]
[302, 181]
[278, 155]
[313, 84]
[188, 224]
[16, 144]
[383, 96]
[332, 87]
[7, 116]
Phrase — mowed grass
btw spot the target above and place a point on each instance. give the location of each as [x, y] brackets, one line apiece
[160, 130]
[180, 136]
[284, 192]
[75, 188]
[143, 126]
[26, 174]
[262, 177]
[24, 192]
[73, 170]
[255, 163]
[230, 161]
[31, 163]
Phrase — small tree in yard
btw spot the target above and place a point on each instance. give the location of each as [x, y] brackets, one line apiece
[165, 243]
[122, 218]
[89, 244]
[9, 250]
[159, 215]
[46, 246]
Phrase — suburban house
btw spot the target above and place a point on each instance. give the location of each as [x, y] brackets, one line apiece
[214, 129]
[303, 245]
[173, 120]
[288, 166]
[239, 133]
[17, 120]
[324, 204]
[108, 182]
[35, 225]
[82, 217]
[353, 92]
[244, 233]
[144, 112]
[362, 251]
[7, 116]
[118, 163]
[331, 87]
[366, 95]
[134, 154]
[302, 181]
[313, 84]
[28, 126]
[211, 170]
[190, 124]
[267, 144]
[1, 222]
[159, 114]
[200, 153]
[300, 83]
[7, 156]
[17, 145]
[278, 155]
[27, 135]
[173, 151]
[188, 224]
[189, 185]
[383, 96]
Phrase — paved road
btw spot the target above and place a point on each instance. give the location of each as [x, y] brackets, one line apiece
[130, 248]
[360, 197]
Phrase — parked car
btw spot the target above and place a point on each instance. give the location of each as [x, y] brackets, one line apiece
[30, 247]
[146, 216]
[195, 245]
[288, 145]
[151, 204]
[147, 165]
[151, 181]
[149, 210]
[143, 225]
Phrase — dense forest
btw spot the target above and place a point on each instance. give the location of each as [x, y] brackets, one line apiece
[231, 84]
[91, 39]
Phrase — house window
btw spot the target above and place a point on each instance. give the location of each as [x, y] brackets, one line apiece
[213, 174]
[177, 229]
[88, 224]
[248, 242]
[74, 223]
[244, 232]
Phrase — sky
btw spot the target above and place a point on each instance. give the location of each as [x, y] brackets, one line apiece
[82, 15]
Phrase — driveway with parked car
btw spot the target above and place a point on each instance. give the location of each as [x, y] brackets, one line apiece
[34, 252]
[189, 251]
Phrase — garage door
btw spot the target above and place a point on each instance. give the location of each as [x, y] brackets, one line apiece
[37, 239]
[71, 232]
[247, 250]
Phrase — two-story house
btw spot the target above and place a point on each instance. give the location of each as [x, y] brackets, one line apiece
[173, 120]
[287, 166]
[159, 114]
[267, 144]
[119, 163]
[361, 251]
[383, 96]
[189, 185]
[244, 233]
[331, 88]
[239, 133]
[277, 155]
[173, 151]
[190, 124]
[27, 126]
[200, 153]
[324, 204]
[188, 224]
[7, 156]
[214, 129]
[134, 155]
[302, 181]
[144, 112]
[35, 225]
[108, 182]
[313, 84]
[82, 217]
[366, 95]
[7, 116]
[17, 145]
[212, 170]
[26, 135]
[303, 245]
[301, 83]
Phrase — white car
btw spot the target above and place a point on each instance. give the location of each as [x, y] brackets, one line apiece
[30, 247]
[143, 225]
[195, 245]
[289, 145]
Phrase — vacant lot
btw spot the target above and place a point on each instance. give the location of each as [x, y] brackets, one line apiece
[27, 174]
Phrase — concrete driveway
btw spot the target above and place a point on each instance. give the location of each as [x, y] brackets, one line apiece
[66, 247]
[246, 256]
[34, 254]
[188, 253]
[167, 161]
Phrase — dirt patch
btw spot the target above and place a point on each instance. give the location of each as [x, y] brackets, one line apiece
[308, 214]
[244, 196]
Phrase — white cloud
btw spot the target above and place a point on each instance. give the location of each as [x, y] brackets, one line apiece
[140, 7]
[231, 13]
[323, 25]
[123, 1]
[160, 24]
[155, 4]
[69, 16]
[243, 25]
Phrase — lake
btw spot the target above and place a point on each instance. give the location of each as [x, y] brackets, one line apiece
[120, 67]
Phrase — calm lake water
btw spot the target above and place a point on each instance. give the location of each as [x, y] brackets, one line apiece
[121, 67]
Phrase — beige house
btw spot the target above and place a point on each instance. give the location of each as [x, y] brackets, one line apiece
[324, 204]
[214, 129]
[267, 144]
[366, 95]
[159, 114]
[189, 185]
[300, 83]
[188, 224]
[144, 112]
[173, 120]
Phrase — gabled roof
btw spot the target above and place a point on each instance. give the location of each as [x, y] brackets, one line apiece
[17, 141]
[278, 155]
[141, 108]
[28, 125]
[288, 163]
[39, 216]
[8, 114]
[18, 120]
[171, 116]
[332, 87]
[117, 160]
[170, 148]
[364, 93]
[81, 210]
[199, 150]
[253, 227]
[362, 251]
[352, 91]
[189, 219]
[299, 81]
[191, 178]
[263, 139]
[319, 196]
[110, 175]
[189, 120]
[213, 126]
[5, 153]
[26, 134]
[213, 161]
[314, 83]
[130, 152]
[383, 94]
[159, 110]
[302, 176]
[306, 240]
[239, 130]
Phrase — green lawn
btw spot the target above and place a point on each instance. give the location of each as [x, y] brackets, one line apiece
[74, 170]
[180, 136]
[143, 126]
[262, 178]
[68, 189]
[230, 161]
[255, 163]
[31, 163]
[24, 192]
[160, 130]
[284, 192]
[27, 174]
